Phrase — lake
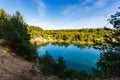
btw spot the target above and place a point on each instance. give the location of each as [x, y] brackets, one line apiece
[78, 57]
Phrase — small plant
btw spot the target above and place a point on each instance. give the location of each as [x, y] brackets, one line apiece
[24, 77]
[33, 70]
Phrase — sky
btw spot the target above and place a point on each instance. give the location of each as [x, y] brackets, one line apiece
[63, 14]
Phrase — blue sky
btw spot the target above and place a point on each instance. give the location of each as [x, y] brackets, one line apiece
[63, 14]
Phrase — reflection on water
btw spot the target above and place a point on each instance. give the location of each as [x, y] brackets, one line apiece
[78, 57]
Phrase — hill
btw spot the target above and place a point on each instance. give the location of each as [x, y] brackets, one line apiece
[13, 67]
[81, 36]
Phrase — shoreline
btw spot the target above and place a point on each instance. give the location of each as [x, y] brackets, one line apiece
[73, 42]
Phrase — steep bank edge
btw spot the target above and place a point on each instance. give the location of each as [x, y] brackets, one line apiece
[15, 68]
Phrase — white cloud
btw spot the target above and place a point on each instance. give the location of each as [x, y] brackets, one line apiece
[83, 7]
[96, 4]
[86, 2]
[69, 10]
[41, 7]
[100, 3]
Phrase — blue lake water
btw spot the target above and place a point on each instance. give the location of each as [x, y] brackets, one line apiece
[78, 57]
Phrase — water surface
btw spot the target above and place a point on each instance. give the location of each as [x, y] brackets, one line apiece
[78, 57]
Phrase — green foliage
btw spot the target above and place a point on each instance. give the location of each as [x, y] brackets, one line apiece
[24, 77]
[72, 74]
[51, 67]
[33, 70]
[48, 64]
[109, 63]
[83, 76]
[34, 31]
[60, 68]
[14, 30]
[92, 35]
[3, 19]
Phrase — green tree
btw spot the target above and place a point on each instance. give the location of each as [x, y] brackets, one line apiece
[48, 64]
[14, 31]
[3, 19]
[60, 67]
[109, 63]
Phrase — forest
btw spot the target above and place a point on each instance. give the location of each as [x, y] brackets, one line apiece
[18, 35]
[81, 36]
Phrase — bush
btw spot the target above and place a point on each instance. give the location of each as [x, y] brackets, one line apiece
[14, 30]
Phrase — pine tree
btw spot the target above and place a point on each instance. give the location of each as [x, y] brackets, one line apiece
[14, 30]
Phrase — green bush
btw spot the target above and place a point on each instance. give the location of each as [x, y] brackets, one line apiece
[14, 30]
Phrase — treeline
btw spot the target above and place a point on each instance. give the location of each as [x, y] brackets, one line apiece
[87, 35]
[14, 30]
